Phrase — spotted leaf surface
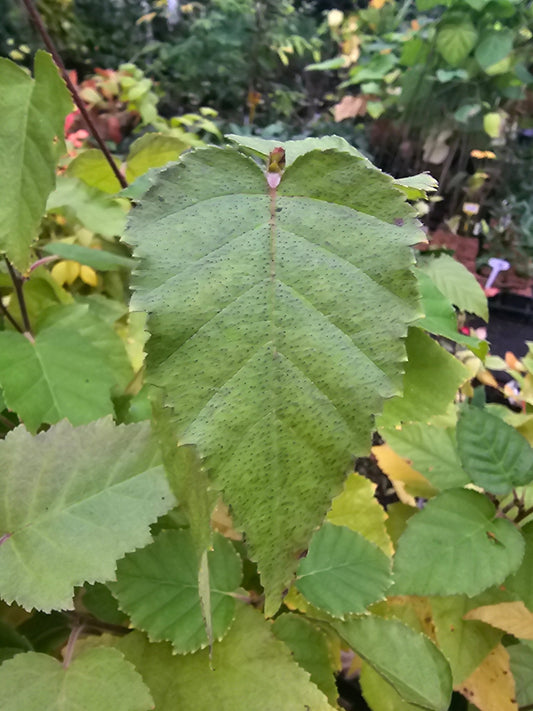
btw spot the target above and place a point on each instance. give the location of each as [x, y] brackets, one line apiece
[277, 318]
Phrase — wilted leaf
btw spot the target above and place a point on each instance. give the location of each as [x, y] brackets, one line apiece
[511, 617]
[399, 470]
[491, 686]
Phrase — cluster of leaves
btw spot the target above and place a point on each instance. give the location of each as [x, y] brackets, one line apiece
[141, 526]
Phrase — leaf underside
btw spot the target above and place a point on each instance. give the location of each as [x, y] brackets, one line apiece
[277, 325]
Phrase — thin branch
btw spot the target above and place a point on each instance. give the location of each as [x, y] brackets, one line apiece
[18, 283]
[73, 638]
[37, 19]
[524, 513]
[7, 423]
[10, 318]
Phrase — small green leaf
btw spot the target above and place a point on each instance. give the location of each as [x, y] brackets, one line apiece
[407, 660]
[456, 545]
[458, 284]
[158, 588]
[494, 454]
[432, 452]
[494, 46]
[343, 572]
[432, 377]
[522, 668]
[464, 643]
[72, 501]
[32, 113]
[100, 259]
[98, 679]
[455, 40]
[379, 694]
[311, 648]
[245, 665]
[417, 187]
[93, 169]
[101, 603]
[152, 150]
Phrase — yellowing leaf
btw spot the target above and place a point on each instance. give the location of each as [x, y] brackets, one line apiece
[399, 469]
[358, 509]
[491, 686]
[512, 617]
[378, 4]
[66, 271]
[88, 275]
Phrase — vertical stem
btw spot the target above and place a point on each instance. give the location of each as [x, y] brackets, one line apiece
[10, 318]
[18, 284]
[37, 19]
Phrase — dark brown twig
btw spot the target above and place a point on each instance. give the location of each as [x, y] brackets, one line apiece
[18, 283]
[10, 318]
[37, 19]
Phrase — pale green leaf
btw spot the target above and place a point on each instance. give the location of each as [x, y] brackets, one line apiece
[379, 694]
[98, 680]
[432, 377]
[455, 40]
[456, 545]
[72, 501]
[59, 375]
[521, 656]
[464, 643]
[497, 457]
[431, 450]
[440, 317]
[343, 572]
[417, 187]
[519, 584]
[95, 209]
[407, 660]
[152, 151]
[92, 167]
[158, 589]
[459, 285]
[251, 670]
[32, 113]
[311, 648]
[269, 321]
[358, 509]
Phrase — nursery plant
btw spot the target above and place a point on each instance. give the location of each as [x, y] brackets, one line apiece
[192, 532]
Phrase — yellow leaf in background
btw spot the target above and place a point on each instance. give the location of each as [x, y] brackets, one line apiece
[491, 686]
[512, 362]
[414, 611]
[358, 509]
[146, 18]
[66, 271]
[511, 617]
[335, 18]
[222, 522]
[400, 470]
[378, 4]
[88, 275]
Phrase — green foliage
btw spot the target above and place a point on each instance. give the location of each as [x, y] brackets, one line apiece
[280, 314]
[33, 111]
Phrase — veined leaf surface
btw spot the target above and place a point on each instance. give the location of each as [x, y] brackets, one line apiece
[277, 320]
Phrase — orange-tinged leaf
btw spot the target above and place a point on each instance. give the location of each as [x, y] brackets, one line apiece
[400, 470]
[513, 362]
[378, 4]
[491, 686]
[350, 107]
[512, 617]
[486, 377]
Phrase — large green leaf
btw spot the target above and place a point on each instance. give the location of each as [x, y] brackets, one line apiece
[431, 450]
[458, 284]
[343, 572]
[311, 648]
[464, 643]
[494, 46]
[72, 501]
[251, 670]
[455, 40]
[432, 377]
[496, 456]
[407, 660]
[32, 113]
[98, 680]
[158, 588]
[276, 327]
[456, 545]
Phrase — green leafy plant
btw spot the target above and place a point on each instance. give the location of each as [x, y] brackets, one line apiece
[147, 509]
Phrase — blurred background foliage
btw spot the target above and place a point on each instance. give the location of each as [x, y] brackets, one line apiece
[437, 85]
